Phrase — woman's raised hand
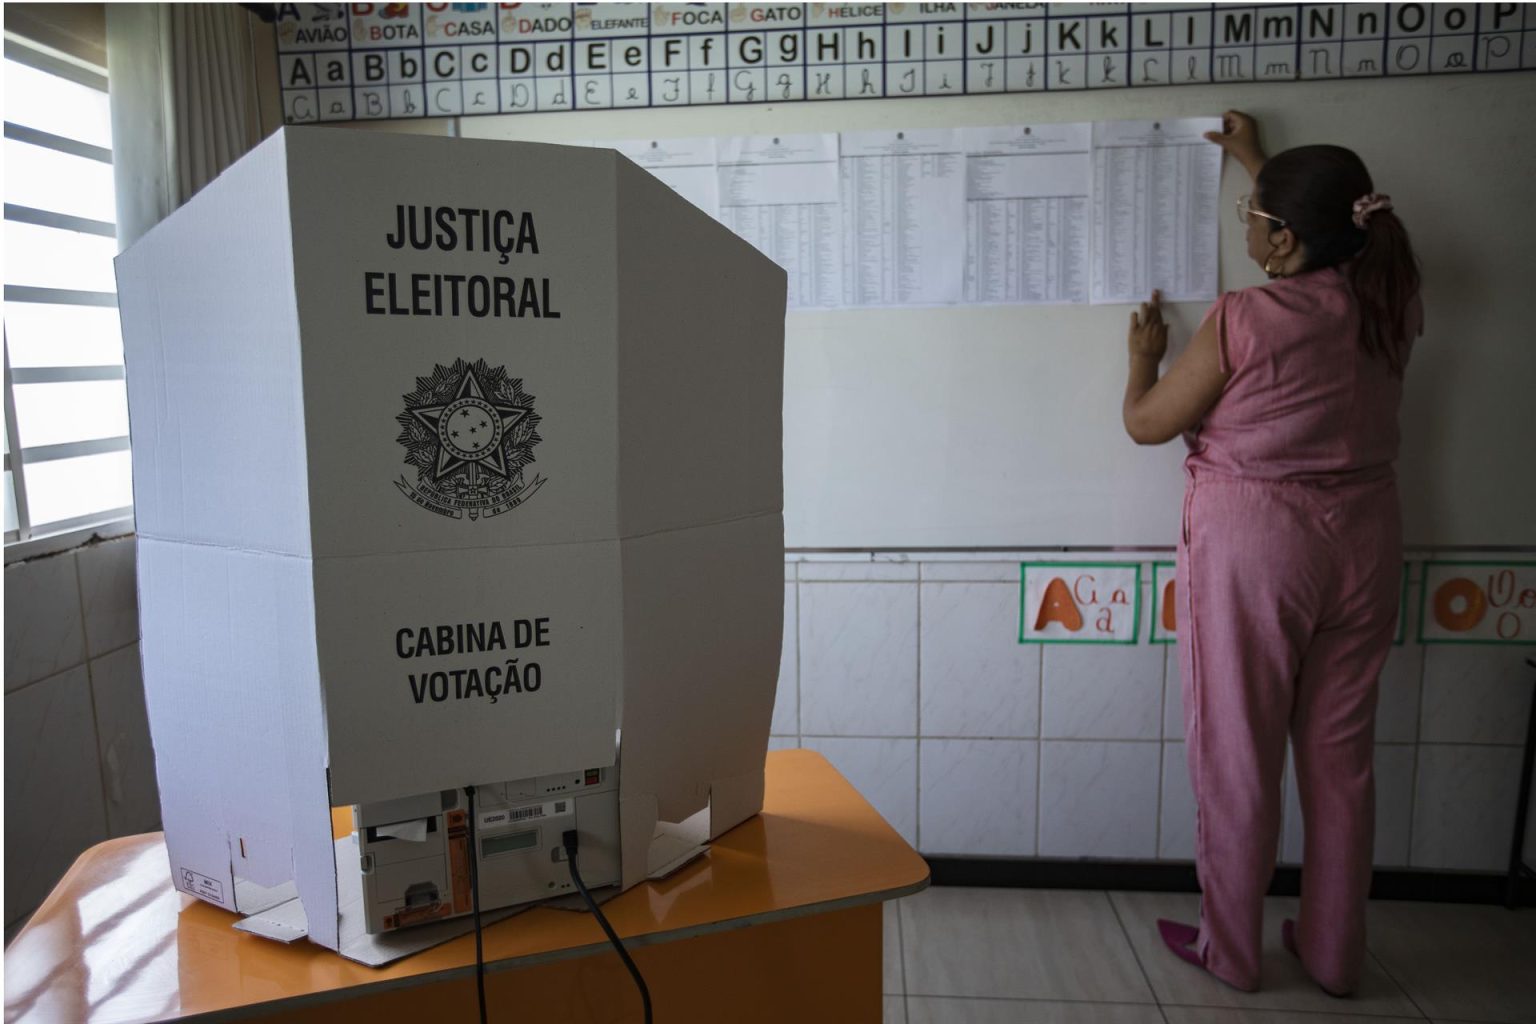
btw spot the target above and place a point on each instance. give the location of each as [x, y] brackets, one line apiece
[1149, 335]
[1240, 137]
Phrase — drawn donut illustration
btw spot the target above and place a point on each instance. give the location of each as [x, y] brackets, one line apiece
[1460, 604]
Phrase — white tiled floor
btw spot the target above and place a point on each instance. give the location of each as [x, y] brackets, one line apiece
[1029, 956]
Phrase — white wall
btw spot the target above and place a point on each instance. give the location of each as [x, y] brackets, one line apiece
[903, 668]
[78, 764]
[983, 461]
[1001, 426]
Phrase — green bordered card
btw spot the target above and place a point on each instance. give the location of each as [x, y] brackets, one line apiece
[1478, 603]
[1079, 602]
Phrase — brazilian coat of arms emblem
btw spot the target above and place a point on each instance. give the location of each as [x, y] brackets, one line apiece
[468, 430]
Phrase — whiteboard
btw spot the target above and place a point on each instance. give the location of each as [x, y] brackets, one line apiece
[978, 427]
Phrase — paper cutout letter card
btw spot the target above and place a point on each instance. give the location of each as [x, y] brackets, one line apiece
[1079, 602]
[1478, 603]
[1165, 604]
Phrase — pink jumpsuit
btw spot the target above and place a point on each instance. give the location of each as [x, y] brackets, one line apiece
[1289, 573]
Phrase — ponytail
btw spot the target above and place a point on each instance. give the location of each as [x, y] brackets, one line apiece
[1324, 195]
[1385, 279]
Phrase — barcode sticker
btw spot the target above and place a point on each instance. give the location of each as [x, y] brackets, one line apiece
[517, 815]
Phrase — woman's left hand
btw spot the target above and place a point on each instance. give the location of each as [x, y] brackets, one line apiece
[1149, 335]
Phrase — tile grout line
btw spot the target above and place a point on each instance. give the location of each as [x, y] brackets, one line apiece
[1126, 932]
[1142, 740]
[1068, 1001]
[48, 678]
[1393, 979]
[1039, 745]
[799, 719]
[116, 650]
[85, 642]
[917, 752]
[1294, 1011]
[90, 690]
[1268, 1012]
[1285, 789]
[1162, 761]
[1418, 735]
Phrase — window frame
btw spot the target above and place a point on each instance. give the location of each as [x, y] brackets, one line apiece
[26, 541]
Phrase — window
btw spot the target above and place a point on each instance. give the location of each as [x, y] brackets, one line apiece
[67, 462]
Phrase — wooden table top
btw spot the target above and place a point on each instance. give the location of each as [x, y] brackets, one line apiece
[114, 942]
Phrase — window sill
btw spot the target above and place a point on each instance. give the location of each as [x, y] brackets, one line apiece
[55, 543]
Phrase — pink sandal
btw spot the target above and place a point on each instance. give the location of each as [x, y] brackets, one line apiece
[1179, 938]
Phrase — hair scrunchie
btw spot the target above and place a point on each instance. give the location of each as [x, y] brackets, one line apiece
[1369, 204]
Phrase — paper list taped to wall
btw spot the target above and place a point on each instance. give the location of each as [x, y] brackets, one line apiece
[1156, 186]
[1027, 213]
[903, 197]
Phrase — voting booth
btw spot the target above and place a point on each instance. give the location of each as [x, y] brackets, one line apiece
[453, 459]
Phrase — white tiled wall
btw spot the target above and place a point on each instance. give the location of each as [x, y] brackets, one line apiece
[78, 763]
[1176, 816]
[1099, 799]
[977, 679]
[858, 658]
[1102, 693]
[952, 771]
[905, 669]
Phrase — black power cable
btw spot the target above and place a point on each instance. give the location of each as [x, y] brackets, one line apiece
[568, 840]
[474, 888]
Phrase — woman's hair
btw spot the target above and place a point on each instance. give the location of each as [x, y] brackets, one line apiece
[1314, 189]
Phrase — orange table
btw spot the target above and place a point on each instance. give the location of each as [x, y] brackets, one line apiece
[781, 920]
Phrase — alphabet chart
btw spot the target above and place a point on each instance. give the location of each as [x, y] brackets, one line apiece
[343, 62]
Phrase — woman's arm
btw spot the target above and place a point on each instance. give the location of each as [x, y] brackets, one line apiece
[1160, 410]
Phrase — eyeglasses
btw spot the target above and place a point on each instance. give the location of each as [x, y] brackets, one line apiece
[1246, 211]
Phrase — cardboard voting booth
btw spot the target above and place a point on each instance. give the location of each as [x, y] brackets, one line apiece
[451, 459]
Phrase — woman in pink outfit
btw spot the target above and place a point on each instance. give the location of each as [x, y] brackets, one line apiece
[1290, 557]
